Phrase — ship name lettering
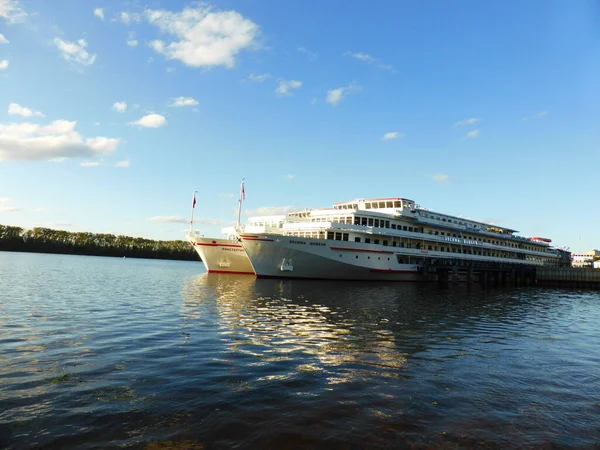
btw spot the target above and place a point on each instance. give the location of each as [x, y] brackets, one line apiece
[297, 242]
[318, 243]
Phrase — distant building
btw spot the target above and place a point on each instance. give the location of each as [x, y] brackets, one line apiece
[586, 259]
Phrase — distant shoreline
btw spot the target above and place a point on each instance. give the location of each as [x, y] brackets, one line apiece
[47, 240]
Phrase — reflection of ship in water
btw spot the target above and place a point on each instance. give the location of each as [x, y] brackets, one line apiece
[315, 326]
[343, 329]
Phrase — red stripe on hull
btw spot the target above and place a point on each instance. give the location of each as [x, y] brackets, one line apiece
[345, 249]
[231, 272]
[393, 271]
[218, 245]
[256, 239]
[277, 277]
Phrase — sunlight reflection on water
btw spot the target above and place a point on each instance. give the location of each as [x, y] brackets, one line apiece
[106, 352]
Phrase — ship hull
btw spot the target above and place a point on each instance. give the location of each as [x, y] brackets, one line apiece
[222, 256]
[275, 256]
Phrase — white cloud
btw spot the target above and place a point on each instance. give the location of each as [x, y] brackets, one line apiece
[440, 178]
[132, 42]
[365, 57]
[3, 39]
[127, 18]
[3, 64]
[41, 209]
[168, 219]
[285, 87]
[290, 177]
[205, 221]
[91, 163]
[170, 69]
[58, 140]
[536, 116]
[472, 134]
[362, 57]
[99, 13]
[310, 54]
[11, 11]
[335, 96]
[268, 211]
[119, 106]
[59, 224]
[392, 135]
[18, 110]
[203, 37]
[183, 101]
[465, 122]
[258, 78]
[75, 51]
[9, 209]
[151, 121]
[5, 199]
[123, 164]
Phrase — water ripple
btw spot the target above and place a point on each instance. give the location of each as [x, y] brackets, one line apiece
[104, 352]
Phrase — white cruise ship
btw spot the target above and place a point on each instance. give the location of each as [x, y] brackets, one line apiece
[383, 239]
[226, 254]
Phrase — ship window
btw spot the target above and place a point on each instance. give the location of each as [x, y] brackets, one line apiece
[390, 204]
[393, 243]
[357, 221]
[370, 222]
[410, 228]
[387, 223]
[368, 257]
[429, 247]
[397, 204]
[367, 241]
[338, 236]
[404, 228]
[330, 235]
[367, 206]
[376, 241]
[400, 260]
[363, 221]
[443, 220]
[356, 256]
[393, 226]
[345, 237]
[356, 239]
[385, 243]
[382, 204]
[376, 222]
[374, 205]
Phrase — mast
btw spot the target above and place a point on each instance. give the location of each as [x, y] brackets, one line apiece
[242, 198]
[192, 215]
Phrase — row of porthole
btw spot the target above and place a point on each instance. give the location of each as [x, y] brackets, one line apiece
[368, 257]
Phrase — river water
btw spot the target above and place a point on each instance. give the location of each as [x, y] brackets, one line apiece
[105, 352]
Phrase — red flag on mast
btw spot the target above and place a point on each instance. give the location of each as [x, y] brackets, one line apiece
[243, 192]
[194, 201]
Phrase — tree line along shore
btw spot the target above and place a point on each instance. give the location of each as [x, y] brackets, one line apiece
[47, 240]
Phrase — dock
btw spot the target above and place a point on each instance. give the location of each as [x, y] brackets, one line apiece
[488, 273]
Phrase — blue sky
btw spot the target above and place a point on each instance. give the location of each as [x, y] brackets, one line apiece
[113, 113]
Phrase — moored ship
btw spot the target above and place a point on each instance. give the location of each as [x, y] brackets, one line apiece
[226, 254]
[384, 239]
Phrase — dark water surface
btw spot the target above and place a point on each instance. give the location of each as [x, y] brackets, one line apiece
[105, 352]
